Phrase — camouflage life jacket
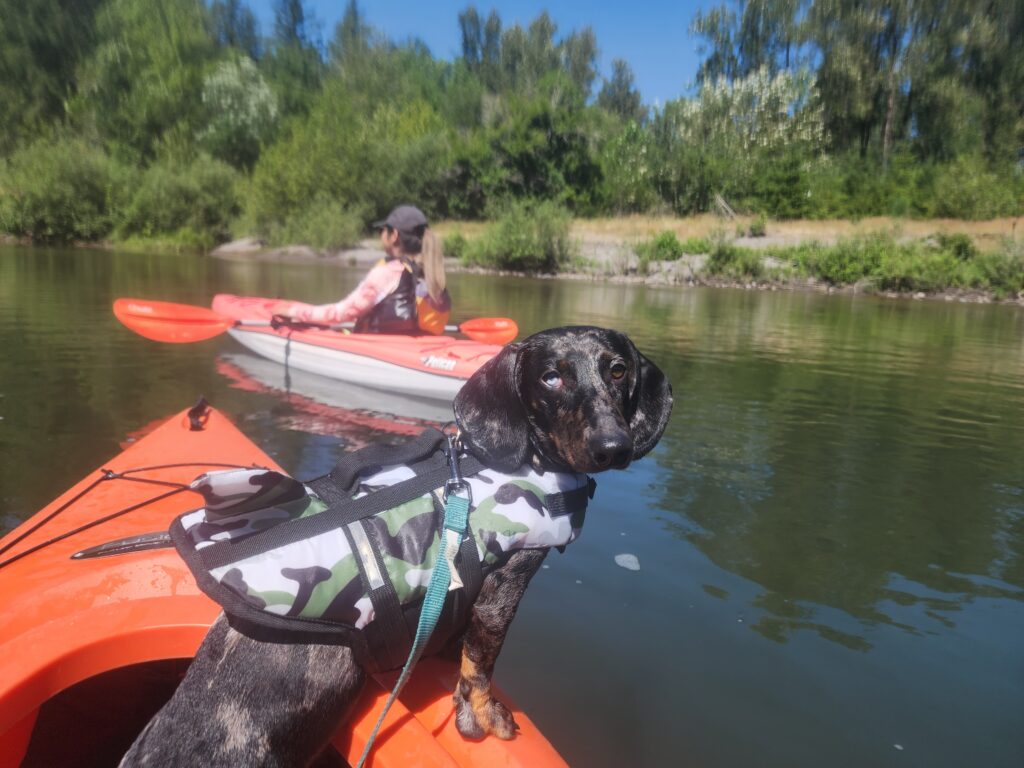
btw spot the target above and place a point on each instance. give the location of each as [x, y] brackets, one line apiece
[346, 558]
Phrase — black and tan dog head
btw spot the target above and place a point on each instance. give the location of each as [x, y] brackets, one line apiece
[578, 397]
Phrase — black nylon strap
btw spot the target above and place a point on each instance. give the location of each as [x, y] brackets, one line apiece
[387, 608]
[339, 483]
[225, 552]
[469, 566]
[567, 502]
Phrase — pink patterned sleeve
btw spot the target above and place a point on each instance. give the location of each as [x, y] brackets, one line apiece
[378, 283]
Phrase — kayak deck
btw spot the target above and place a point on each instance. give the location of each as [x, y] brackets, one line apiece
[78, 628]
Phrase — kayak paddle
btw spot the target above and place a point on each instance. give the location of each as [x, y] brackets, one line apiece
[184, 323]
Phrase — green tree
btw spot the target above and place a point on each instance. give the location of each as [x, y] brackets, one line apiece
[241, 112]
[142, 87]
[42, 43]
[234, 26]
[353, 37]
[544, 153]
[759, 34]
[294, 67]
[994, 58]
[62, 189]
[618, 94]
[579, 59]
[628, 167]
[718, 28]
[767, 35]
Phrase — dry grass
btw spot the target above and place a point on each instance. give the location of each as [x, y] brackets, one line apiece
[466, 228]
[642, 227]
[635, 228]
[609, 232]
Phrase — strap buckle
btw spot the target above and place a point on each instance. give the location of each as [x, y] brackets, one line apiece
[456, 484]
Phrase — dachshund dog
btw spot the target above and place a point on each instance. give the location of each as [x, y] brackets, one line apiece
[579, 399]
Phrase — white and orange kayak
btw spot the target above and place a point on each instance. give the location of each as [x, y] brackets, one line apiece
[429, 367]
[99, 618]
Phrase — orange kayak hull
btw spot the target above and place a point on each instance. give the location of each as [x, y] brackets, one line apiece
[64, 621]
[432, 368]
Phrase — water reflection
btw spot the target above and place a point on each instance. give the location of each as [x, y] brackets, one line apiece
[841, 474]
[842, 462]
[320, 406]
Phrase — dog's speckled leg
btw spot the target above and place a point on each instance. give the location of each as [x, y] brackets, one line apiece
[477, 711]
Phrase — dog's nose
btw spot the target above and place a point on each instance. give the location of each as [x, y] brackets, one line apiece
[611, 451]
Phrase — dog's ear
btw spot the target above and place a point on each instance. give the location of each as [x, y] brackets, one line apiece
[490, 413]
[650, 404]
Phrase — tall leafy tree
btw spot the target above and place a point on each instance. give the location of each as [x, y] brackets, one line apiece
[472, 32]
[758, 34]
[993, 53]
[579, 59]
[767, 35]
[235, 26]
[352, 37]
[42, 44]
[490, 52]
[242, 112]
[854, 42]
[618, 94]
[142, 87]
[294, 66]
[718, 28]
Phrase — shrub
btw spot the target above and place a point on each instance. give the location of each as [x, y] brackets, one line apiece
[967, 189]
[663, 247]
[530, 237]
[780, 186]
[696, 245]
[959, 244]
[324, 223]
[58, 190]
[910, 267]
[894, 266]
[198, 199]
[1000, 272]
[758, 227]
[735, 262]
[848, 261]
[850, 186]
[726, 260]
[454, 245]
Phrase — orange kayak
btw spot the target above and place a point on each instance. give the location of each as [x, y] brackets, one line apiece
[426, 367]
[98, 620]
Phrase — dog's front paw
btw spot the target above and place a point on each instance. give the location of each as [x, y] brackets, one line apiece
[478, 713]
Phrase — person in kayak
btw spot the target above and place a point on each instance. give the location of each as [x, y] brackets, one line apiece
[403, 293]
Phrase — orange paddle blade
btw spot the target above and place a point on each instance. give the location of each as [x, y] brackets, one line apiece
[166, 321]
[490, 330]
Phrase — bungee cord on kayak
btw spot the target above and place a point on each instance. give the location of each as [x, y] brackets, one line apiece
[106, 475]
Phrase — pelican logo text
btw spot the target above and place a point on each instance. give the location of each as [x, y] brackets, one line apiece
[441, 363]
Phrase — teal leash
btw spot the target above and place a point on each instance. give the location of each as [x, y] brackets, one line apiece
[457, 500]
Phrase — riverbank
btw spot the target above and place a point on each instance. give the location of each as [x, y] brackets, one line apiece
[950, 260]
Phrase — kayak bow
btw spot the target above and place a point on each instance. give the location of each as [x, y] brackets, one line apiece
[92, 645]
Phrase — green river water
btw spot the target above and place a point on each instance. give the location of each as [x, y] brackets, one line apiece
[830, 535]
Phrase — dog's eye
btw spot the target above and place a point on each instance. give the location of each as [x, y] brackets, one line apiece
[552, 379]
[618, 370]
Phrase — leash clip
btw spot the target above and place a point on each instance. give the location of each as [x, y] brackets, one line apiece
[455, 485]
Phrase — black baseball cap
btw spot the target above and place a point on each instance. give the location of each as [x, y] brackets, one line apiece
[404, 218]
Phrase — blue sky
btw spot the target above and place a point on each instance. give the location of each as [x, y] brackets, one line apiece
[652, 35]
